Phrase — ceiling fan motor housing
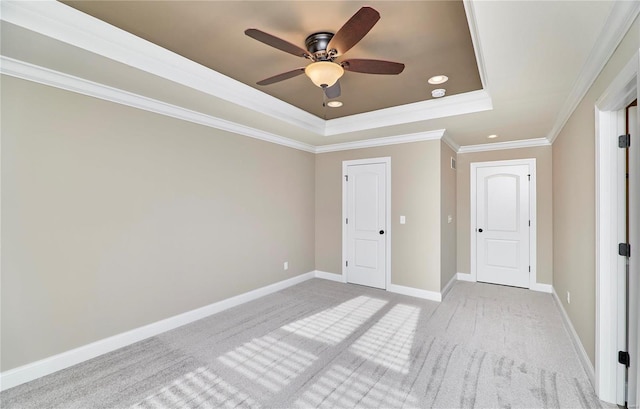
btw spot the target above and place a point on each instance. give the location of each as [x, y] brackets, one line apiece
[317, 44]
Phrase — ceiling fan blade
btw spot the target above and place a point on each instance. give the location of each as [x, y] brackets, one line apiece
[333, 91]
[281, 77]
[276, 42]
[354, 30]
[373, 66]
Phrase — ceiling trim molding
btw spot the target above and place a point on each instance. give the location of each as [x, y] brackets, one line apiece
[619, 21]
[475, 39]
[64, 23]
[446, 138]
[469, 102]
[498, 146]
[389, 140]
[30, 72]
[45, 76]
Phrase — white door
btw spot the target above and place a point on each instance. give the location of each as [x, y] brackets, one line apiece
[366, 224]
[502, 225]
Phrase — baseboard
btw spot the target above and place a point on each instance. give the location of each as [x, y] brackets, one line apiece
[329, 276]
[543, 288]
[465, 277]
[38, 369]
[449, 285]
[575, 339]
[414, 292]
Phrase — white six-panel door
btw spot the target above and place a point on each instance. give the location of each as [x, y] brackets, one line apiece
[366, 224]
[502, 225]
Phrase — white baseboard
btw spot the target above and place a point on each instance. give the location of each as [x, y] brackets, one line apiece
[38, 369]
[543, 288]
[465, 277]
[575, 339]
[330, 276]
[414, 292]
[449, 285]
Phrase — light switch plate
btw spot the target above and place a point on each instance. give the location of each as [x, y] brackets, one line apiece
[403, 220]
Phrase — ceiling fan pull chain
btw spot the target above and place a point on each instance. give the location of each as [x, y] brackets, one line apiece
[324, 100]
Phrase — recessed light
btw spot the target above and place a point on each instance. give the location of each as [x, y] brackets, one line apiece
[334, 104]
[438, 93]
[438, 79]
[492, 136]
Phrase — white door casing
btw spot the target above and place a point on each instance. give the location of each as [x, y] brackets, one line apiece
[365, 225]
[610, 230]
[634, 260]
[503, 205]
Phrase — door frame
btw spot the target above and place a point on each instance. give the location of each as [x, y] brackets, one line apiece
[531, 162]
[345, 164]
[609, 123]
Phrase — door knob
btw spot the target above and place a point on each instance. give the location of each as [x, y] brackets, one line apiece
[479, 230]
[381, 231]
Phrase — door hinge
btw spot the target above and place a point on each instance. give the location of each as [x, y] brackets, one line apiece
[624, 141]
[346, 263]
[624, 249]
[529, 268]
[346, 178]
[529, 223]
[347, 220]
[623, 358]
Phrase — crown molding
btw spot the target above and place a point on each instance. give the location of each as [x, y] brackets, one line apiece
[469, 102]
[45, 76]
[446, 138]
[469, 9]
[498, 146]
[63, 23]
[389, 140]
[48, 77]
[619, 21]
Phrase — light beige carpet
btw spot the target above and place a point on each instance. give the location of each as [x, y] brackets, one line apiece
[326, 344]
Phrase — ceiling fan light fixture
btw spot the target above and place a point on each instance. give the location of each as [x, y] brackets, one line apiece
[438, 79]
[324, 73]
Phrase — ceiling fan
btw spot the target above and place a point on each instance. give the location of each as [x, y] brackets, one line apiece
[324, 48]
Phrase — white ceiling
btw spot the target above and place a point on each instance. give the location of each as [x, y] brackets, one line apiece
[536, 60]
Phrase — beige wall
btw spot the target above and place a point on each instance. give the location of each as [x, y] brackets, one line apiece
[415, 193]
[447, 208]
[113, 218]
[544, 205]
[574, 201]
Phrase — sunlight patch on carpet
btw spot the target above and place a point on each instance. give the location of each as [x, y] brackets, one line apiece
[335, 324]
[200, 388]
[268, 361]
[388, 342]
